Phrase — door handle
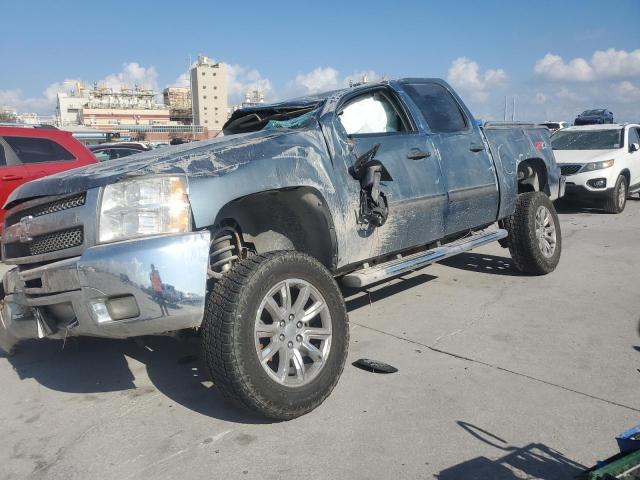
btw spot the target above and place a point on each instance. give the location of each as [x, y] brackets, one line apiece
[417, 154]
[476, 147]
[12, 177]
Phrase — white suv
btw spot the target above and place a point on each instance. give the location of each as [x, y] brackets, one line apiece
[600, 162]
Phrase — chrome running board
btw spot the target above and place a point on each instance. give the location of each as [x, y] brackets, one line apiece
[397, 266]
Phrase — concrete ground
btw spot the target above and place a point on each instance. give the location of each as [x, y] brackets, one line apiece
[500, 376]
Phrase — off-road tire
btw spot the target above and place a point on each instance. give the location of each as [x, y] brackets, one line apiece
[612, 204]
[522, 239]
[228, 335]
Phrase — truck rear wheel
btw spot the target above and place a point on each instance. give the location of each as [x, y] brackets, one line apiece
[617, 198]
[535, 240]
[275, 334]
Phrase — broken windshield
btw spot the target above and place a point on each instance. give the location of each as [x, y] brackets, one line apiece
[288, 117]
[587, 139]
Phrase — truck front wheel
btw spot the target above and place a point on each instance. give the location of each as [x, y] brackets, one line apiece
[534, 240]
[275, 334]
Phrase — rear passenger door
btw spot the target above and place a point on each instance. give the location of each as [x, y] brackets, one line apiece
[469, 173]
[40, 156]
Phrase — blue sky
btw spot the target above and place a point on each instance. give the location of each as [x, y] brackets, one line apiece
[486, 49]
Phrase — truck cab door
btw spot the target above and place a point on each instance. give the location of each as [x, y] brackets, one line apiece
[469, 173]
[415, 193]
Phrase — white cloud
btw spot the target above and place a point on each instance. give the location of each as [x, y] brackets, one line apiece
[132, 74]
[357, 77]
[603, 64]
[323, 79]
[183, 80]
[240, 79]
[626, 92]
[464, 74]
[15, 98]
[320, 79]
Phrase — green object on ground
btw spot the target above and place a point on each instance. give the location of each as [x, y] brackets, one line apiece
[625, 468]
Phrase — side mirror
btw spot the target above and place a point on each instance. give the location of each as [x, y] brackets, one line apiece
[634, 147]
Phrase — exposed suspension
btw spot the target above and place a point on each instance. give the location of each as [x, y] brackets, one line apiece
[224, 250]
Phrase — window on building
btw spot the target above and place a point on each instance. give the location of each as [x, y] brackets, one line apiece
[216, 108]
[215, 97]
[204, 86]
[205, 108]
[204, 96]
[38, 150]
[214, 74]
[215, 88]
[206, 121]
[203, 74]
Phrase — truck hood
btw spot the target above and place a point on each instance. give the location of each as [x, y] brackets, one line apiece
[214, 157]
[583, 156]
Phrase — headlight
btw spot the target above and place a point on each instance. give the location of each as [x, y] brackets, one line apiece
[149, 206]
[589, 167]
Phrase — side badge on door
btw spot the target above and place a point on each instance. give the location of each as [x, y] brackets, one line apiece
[374, 208]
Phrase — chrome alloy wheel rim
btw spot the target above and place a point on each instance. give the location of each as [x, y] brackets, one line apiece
[545, 231]
[293, 332]
[622, 195]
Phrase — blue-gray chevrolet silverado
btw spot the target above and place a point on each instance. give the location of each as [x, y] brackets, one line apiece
[244, 237]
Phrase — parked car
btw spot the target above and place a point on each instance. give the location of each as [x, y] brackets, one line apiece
[112, 151]
[28, 153]
[554, 126]
[255, 227]
[594, 117]
[600, 162]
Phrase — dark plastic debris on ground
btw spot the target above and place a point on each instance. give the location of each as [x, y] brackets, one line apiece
[374, 366]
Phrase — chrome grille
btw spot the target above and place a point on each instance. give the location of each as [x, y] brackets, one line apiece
[49, 242]
[569, 169]
[47, 208]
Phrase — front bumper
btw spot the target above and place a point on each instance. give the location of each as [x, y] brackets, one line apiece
[581, 184]
[579, 191]
[68, 297]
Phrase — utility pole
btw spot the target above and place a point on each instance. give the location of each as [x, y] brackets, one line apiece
[504, 117]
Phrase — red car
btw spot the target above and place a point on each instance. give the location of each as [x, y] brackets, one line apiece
[28, 153]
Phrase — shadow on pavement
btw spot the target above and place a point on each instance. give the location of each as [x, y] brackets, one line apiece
[577, 206]
[92, 365]
[481, 262]
[357, 298]
[534, 460]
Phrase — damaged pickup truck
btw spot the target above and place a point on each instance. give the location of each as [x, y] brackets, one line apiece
[246, 236]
